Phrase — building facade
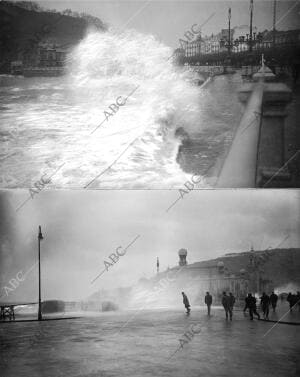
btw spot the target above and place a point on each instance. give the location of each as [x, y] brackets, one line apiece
[51, 56]
[219, 43]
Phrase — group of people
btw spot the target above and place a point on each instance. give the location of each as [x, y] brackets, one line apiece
[293, 300]
[266, 301]
[228, 302]
[7, 311]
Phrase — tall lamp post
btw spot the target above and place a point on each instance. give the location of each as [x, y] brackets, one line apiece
[274, 22]
[229, 31]
[40, 237]
[251, 20]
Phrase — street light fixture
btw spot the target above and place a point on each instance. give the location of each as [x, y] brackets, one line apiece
[40, 237]
[229, 31]
[251, 21]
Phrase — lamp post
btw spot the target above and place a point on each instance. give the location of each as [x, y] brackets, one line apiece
[40, 237]
[229, 31]
[274, 22]
[251, 20]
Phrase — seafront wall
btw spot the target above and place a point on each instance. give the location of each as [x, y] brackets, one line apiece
[256, 157]
[239, 168]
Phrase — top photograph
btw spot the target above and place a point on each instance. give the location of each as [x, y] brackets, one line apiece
[175, 95]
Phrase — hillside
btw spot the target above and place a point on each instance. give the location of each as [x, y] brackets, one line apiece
[21, 30]
[282, 266]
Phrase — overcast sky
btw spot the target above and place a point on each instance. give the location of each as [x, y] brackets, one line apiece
[82, 228]
[169, 20]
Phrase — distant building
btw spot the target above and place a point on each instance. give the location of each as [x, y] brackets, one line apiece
[224, 35]
[289, 37]
[16, 67]
[214, 277]
[47, 60]
[211, 45]
[51, 56]
[193, 48]
[240, 41]
[179, 55]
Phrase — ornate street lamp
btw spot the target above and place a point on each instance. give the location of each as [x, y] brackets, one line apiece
[229, 36]
[251, 21]
[40, 237]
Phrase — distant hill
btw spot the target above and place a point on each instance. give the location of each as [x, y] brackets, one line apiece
[21, 30]
[282, 266]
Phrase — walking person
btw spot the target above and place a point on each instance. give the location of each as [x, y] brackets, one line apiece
[265, 303]
[251, 302]
[273, 300]
[294, 300]
[246, 305]
[298, 300]
[208, 301]
[289, 299]
[186, 303]
[226, 305]
[231, 304]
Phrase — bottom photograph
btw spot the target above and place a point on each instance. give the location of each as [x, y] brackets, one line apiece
[149, 283]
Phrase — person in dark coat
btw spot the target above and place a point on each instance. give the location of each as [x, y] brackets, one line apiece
[208, 302]
[186, 303]
[290, 300]
[273, 300]
[294, 300]
[226, 305]
[251, 303]
[298, 300]
[231, 304]
[246, 305]
[265, 303]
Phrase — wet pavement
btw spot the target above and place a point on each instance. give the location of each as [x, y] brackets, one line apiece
[141, 344]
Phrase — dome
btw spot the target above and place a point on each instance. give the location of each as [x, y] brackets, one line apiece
[220, 264]
[242, 271]
[182, 252]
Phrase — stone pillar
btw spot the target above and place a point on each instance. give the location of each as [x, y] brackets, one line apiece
[239, 168]
[256, 157]
[271, 171]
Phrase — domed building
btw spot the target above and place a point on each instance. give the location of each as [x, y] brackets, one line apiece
[213, 276]
[182, 257]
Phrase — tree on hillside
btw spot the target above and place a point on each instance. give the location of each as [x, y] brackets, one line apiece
[29, 5]
[67, 12]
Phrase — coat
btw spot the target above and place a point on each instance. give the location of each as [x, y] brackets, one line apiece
[208, 300]
[226, 302]
[186, 301]
[231, 300]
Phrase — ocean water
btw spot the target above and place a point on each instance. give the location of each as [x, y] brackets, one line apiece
[166, 129]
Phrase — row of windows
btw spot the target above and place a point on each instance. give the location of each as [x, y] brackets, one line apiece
[52, 55]
[192, 50]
